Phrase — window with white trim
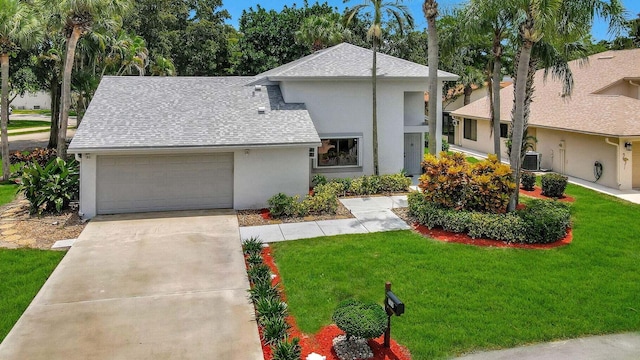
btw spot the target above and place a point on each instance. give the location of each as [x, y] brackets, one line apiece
[339, 152]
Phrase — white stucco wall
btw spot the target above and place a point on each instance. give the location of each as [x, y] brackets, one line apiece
[265, 172]
[344, 107]
[29, 101]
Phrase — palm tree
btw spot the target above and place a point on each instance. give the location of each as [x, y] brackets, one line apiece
[322, 31]
[430, 9]
[162, 66]
[559, 19]
[79, 17]
[401, 14]
[18, 27]
[495, 17]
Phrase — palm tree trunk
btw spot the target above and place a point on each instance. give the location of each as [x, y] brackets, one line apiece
[72, 41]
[4, 137]
[433, 84]
[55, 112]
[495, 84]
[467, 94]
[518, 119]
[374, 80]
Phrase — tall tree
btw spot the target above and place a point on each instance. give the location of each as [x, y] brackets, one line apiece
[401, 15]
[495, 17]
[267, 37]
[322, 31]
[430, 9]
[558, 20]
[79, 17]
[18, 27]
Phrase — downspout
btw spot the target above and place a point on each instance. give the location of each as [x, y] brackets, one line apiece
[617, 156]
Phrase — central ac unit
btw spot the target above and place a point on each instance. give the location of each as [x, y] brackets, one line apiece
[531, 161]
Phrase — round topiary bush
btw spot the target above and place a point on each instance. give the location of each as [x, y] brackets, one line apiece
[362, 320]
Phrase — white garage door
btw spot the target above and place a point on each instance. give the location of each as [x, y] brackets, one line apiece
[164, 182]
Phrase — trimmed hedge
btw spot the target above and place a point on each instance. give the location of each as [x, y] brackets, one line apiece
[362, 320]
[553, 185]
[541, 222]
[528, 180]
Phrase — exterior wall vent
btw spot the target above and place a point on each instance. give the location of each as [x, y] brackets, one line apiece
[258, 88]
[261, 110]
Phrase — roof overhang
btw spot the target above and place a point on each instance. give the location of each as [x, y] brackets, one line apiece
[185, 149]
[359, 78]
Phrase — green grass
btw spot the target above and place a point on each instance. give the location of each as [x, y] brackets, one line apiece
[39, 112]
[22, 124]
[7, 193]
[22, 274]
[470, 159]
[461, 298]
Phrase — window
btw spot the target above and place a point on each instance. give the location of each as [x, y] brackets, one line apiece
[339, 152]
[470, 129]
[504, 131]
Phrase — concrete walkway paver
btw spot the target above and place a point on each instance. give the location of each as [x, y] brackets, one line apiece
[618, 347]
[144, 286]
[372, 214]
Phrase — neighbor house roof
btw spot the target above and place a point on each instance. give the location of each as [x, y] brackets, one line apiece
[168, 112]
[350, 61]
[588, 109]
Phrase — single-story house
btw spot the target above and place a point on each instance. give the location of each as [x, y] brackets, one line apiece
[40, 100]
[594, 134]
[177, 143]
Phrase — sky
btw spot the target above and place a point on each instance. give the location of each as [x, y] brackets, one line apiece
[235, 8]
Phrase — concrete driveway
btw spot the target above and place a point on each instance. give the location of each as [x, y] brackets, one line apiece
[144, 286]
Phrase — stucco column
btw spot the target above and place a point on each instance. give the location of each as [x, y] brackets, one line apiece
[88, 176]
[438, 128]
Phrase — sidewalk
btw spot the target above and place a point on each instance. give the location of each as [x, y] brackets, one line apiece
[372, 214]
[629, 195]
[618, 346]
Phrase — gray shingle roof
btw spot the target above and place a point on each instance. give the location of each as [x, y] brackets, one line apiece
[151, 112]
[350, 61]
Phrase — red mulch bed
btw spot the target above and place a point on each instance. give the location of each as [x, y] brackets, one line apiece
[446, 236]
[537, 193]
[322, 342]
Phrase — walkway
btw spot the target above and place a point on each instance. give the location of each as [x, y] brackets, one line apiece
[629, 195]
[371, 214]
[618, 347]
[167, 285]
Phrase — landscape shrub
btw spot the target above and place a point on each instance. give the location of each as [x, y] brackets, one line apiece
[528, 180]
[445, 179]
[259, 273]
[252, 245]
[262, 290]
[40, 156]
[545, 221]
[553, 185]
[52, 187]
[321, 202]
[345, 182]
[254, 259]
[285, 350]
[445, 145]
[274, 329]
[365, 185]
[284, 205]
[318, 179]
[490, 184]
[541, 222]
[270, 308]
[362, 320]
[394, 183]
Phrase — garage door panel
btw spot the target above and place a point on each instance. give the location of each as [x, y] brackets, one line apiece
[157, 183]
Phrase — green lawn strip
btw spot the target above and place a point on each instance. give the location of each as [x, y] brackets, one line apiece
[461, 298]
[7, 193]
[21, 124]
[36, 112]
[22, 274]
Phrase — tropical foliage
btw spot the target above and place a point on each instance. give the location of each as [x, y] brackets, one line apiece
[50, 188]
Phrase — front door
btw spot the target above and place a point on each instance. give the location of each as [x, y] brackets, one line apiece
[412, 153]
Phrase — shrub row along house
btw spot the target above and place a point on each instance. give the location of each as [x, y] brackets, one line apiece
[594, 134]
[176, 143]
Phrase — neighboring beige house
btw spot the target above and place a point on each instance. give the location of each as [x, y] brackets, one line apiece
[32, 101]
[599, 122]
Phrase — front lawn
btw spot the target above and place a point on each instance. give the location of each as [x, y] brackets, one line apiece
[22, 124]
[461, 298]
[7, 193]
[22, 274]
